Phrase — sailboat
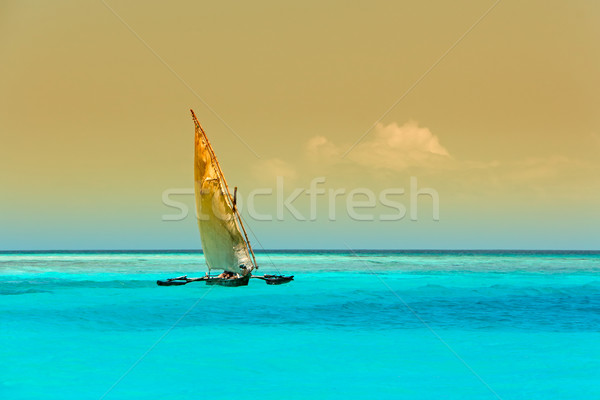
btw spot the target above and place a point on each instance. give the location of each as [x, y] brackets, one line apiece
[224, 238]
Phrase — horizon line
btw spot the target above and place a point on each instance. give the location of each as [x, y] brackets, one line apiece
[301, 250]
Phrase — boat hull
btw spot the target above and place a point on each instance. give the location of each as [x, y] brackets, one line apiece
[243, 281]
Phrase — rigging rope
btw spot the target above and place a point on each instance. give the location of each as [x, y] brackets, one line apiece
[260, 244]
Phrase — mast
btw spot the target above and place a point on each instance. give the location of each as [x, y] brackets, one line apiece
[223, 182]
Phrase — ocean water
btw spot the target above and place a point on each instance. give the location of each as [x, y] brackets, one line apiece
[376, 325]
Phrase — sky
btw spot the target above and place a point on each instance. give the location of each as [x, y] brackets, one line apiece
[425, 125]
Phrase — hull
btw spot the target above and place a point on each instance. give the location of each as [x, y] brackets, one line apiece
[243, 281]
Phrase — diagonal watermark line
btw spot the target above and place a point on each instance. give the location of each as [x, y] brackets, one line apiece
[179, 77]
[154, 345]
[435, 64]
[433, 332]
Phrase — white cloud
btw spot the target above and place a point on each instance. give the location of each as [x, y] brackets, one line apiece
[393, 150]
[266, 170]
[389, 147]
[321, 148]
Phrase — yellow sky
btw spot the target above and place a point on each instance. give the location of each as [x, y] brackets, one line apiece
[95, 127]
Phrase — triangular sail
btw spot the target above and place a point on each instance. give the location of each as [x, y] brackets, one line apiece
[223, 244]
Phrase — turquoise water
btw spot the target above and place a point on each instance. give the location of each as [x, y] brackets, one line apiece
[381, 325]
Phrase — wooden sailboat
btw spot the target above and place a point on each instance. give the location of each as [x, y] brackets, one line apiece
[224, 239]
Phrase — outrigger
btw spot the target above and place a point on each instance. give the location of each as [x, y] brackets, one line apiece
[224, 239]
[270, 279]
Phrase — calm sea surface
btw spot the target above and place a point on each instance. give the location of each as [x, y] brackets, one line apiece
[371, 325]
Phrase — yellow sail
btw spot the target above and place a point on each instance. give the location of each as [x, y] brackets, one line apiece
[223, 244]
